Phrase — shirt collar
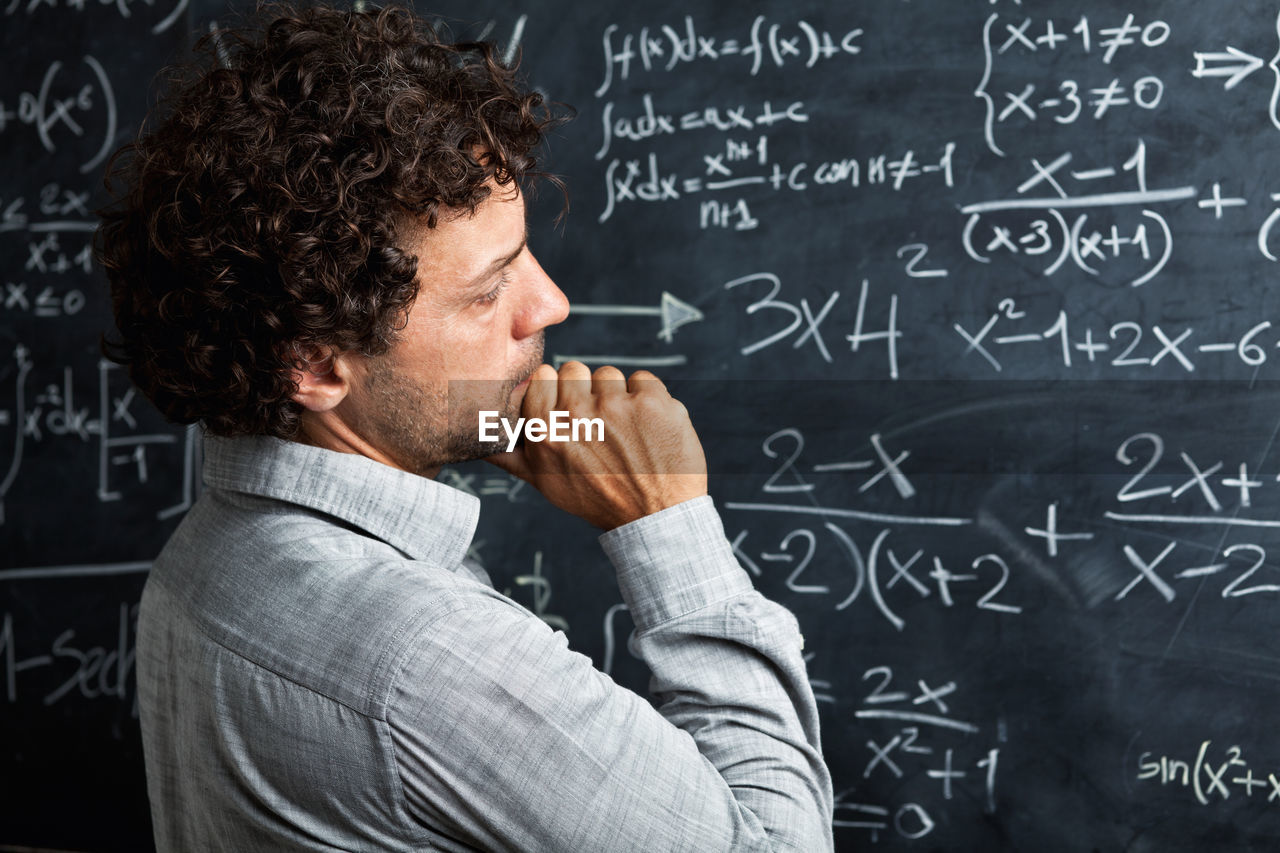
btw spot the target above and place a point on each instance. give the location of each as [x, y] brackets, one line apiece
[426, 520]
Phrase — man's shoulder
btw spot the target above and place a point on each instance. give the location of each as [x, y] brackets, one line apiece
[302, 595]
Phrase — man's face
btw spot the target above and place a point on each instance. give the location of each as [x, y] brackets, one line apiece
[473, 335]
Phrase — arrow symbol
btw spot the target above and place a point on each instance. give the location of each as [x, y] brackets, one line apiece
[1240, 65]
[674, 313]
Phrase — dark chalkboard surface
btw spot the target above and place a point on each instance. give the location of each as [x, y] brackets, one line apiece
[973, 306]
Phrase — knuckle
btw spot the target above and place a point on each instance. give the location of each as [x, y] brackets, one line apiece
[652, 405]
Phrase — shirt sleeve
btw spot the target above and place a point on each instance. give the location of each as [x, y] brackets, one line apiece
[508, 740]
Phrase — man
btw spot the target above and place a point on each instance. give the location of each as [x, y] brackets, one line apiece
[321, 257]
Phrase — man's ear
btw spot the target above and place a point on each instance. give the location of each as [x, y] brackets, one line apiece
[322, 377]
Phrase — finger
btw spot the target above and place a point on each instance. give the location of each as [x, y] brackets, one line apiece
[643, 380]
[575, 383]
[608, 379]
[607, 372]
[540, 397]
[574, 370]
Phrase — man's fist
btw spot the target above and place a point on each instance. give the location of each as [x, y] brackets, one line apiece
[649, 459]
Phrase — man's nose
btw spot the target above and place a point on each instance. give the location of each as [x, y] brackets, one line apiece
[547, 304]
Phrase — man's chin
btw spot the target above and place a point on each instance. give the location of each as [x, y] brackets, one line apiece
[476, 450]
[464, 440]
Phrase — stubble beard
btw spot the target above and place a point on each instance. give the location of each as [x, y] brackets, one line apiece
[424, 428]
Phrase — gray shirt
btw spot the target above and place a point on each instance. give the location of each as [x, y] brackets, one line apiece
[320, 668]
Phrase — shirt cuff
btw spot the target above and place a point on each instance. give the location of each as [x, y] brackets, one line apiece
[674, 562]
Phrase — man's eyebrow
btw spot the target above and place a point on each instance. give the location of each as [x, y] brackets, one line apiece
[499, 263]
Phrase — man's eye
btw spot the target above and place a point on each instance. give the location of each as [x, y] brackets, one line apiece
[492, 295]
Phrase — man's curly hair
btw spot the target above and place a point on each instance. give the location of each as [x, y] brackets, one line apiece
[260, 218]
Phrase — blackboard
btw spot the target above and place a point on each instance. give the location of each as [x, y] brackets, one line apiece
[971, 303]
